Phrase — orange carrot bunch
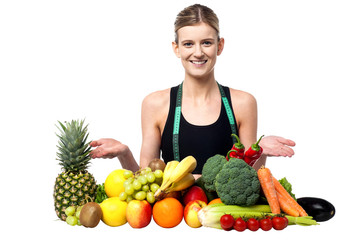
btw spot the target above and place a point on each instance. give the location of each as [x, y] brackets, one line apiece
[277, 196]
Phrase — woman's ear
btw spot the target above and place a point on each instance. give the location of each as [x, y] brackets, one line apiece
[175, 49]
[220, 46]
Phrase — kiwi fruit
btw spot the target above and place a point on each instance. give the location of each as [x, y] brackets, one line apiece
[90, 214]
[156, 164]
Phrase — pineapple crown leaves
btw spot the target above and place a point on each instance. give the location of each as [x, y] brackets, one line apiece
[73, 148]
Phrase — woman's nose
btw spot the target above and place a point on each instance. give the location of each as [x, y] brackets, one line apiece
[198, 51]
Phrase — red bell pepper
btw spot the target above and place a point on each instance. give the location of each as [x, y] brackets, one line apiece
[237, 150]
[253, 153]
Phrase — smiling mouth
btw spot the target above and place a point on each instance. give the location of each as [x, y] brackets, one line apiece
[199, 62]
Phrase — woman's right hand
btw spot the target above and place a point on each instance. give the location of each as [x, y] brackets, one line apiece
[107, 148]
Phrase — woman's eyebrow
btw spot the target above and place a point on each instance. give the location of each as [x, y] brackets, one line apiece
[186, 41]
[205, 39]
[208, 39]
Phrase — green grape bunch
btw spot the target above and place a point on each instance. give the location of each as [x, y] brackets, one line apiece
[72, 215]
[142, 185]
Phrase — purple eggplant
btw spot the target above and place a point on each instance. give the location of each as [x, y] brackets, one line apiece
[320, 209]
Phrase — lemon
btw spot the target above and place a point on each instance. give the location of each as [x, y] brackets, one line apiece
[114, 211]
[113, 184]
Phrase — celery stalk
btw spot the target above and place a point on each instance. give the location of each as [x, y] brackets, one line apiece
[236, 208]
[302, 221]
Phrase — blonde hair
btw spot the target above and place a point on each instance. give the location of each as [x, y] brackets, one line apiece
[194, 14]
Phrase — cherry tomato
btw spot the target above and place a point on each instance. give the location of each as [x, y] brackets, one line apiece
[227, 222]
[240, 225]
[279, 223]
[265, 224]
[253, 224]
[286, 219]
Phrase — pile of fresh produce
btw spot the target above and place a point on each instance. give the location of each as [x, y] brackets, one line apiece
[230, 194]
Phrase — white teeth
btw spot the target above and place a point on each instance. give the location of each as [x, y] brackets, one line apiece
[196, 62]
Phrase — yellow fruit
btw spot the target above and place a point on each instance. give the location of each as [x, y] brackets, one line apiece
[187, 165]
[187, 181]
[113, 184]
[177, 172]
[114, 211]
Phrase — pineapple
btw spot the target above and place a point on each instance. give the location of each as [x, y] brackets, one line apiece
[75, 185]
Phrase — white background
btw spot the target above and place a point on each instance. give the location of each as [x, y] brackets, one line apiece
[63, 60]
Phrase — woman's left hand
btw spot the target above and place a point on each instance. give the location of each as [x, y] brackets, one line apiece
[277, 146]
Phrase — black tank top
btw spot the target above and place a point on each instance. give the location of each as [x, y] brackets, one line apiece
[201, 142]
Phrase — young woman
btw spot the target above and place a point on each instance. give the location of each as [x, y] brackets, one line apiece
[197, 117]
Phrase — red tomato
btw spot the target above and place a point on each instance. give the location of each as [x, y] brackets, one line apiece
[286, 219]
[227, 222]
[265, 224]
[279, 223]
[253, 224]
[240, 225]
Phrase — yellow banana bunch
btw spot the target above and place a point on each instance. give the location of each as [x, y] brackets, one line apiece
[182, 184]
[177, 176]
[168, 170]
[187, 165]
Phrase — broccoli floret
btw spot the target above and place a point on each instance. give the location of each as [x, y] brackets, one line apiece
[210, 170]
[237, 183]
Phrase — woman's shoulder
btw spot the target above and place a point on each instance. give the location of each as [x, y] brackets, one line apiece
[157, 99]
[244, 105]
[240, 97]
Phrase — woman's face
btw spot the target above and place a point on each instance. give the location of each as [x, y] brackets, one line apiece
[198, 48]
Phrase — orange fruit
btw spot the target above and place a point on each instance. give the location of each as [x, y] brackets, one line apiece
[168, 212]
[216, 200]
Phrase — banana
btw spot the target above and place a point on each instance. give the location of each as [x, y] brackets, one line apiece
[187, 165]
[182, 184]
[169, 168]
[177, 176]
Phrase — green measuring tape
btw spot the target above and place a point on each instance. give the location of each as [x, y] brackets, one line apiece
[178, 113]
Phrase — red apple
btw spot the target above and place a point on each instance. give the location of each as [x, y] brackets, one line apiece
[138, 213]
[191, 213]
[194, 193]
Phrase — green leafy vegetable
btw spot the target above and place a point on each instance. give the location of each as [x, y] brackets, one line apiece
[101, 195]
[287, 185]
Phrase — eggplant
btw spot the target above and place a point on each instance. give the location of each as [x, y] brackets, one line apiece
[320, 209]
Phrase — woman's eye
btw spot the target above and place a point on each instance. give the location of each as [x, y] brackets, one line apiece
[207, 43]
[187, 44]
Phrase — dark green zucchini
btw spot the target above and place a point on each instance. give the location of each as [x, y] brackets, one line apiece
[320, 209]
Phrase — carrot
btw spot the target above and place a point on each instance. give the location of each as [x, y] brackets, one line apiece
[265, 178]
[282, 191]
[286, 206]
